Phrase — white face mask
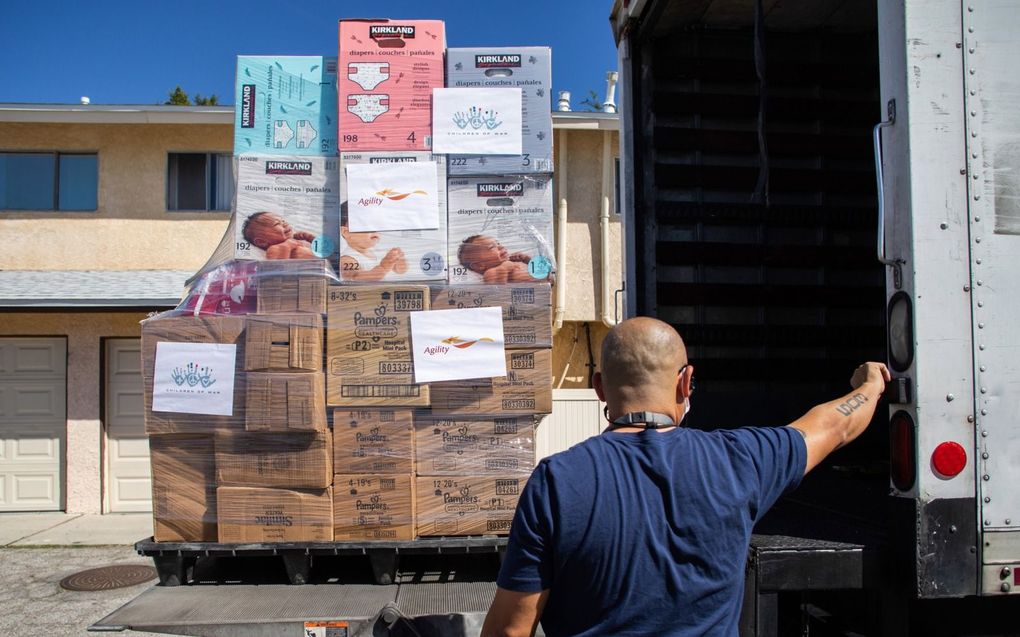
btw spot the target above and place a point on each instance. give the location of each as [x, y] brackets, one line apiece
[687, 409]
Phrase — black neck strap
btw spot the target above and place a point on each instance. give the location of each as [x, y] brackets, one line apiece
[646, 419]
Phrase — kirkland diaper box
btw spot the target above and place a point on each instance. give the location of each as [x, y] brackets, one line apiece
[424, 251]
[368, 346]
[386, 74]
[500, 229]
[285, 105]
[287, 207]
[466, 505]
[527, 68]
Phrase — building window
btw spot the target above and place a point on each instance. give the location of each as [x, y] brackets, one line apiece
[48, 181]
[199, 181]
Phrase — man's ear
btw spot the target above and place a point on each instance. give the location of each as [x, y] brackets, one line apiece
[683, 383]
[596, 383]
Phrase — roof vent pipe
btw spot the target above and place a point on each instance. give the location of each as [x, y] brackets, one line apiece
[609, 105]
[563, 104]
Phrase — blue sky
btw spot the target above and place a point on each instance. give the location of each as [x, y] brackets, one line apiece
[135, 52]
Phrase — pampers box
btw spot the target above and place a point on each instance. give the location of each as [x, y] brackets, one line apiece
[424, 251]
[387, 71]
[500, 229]
[285, 105]
[287, 207]
[528, 68]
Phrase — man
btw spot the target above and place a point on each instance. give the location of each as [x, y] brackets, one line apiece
[644, 529]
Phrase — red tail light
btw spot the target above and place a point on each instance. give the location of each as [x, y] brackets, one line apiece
[903, 451]
[949, 459]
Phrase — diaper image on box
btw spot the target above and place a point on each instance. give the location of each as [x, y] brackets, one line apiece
[528, 68]
[387, 70]
[286, 207]
[500, 229]
[285, 105]
[395, 255]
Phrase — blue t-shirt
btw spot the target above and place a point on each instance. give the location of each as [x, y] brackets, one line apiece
[647, 533]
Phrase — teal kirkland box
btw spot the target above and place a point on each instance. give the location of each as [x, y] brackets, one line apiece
[285, 105]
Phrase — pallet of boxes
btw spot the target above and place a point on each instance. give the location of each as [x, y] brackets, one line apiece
[318, 386]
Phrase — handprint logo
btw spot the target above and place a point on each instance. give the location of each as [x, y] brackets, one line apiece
[460, 119]
[193, 375]
[490, 120]
[475, 117]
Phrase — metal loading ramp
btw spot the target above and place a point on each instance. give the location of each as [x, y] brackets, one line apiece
[281, 610]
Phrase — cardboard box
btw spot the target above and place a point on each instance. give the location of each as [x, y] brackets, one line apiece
[282, 460]
[260, 514]
[466, 505]
[183, 488]
[373, 441]
[373, 507]
[286, 207]
[285, 402]
[294, 286]
[527, 309]
[387, 71]
[528, 68]
[285, 105]
[283, 343]
[424, 250]
[192, 329]
[500, 229]
[368, 346]
[526, 389]
[474, 445]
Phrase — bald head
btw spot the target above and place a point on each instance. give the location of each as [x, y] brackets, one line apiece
[640, 360]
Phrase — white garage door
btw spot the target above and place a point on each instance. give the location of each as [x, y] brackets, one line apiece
[128, 482]
[33, 423]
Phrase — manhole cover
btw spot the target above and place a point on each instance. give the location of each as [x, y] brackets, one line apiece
[108, 577]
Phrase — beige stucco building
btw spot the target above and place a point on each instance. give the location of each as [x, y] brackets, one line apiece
[74, 284]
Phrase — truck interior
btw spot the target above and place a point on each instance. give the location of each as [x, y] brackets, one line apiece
[760, 157]
[754, 171]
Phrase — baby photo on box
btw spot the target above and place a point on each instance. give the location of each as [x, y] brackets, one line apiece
[500, 229]
[286, 207]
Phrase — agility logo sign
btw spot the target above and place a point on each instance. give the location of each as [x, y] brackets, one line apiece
[194, 378]
[392, 196]
[475, 351]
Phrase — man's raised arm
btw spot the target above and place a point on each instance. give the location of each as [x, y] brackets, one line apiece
[831, 425]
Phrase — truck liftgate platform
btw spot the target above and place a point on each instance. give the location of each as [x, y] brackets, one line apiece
[343, 589]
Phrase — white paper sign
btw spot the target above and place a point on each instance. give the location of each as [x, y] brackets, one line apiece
[392, 196]
[478, 121]
[458, 344]
[194, 378]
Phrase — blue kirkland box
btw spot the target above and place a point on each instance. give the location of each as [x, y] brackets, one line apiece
[285, 105]
[528, 68]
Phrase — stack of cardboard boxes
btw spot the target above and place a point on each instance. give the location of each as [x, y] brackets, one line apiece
[324, 433]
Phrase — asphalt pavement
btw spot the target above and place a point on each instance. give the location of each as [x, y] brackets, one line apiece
[38, 550]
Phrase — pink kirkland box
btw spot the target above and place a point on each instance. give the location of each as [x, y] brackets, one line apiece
[385, 78]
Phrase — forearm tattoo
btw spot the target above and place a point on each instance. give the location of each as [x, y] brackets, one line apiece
[852, 404]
